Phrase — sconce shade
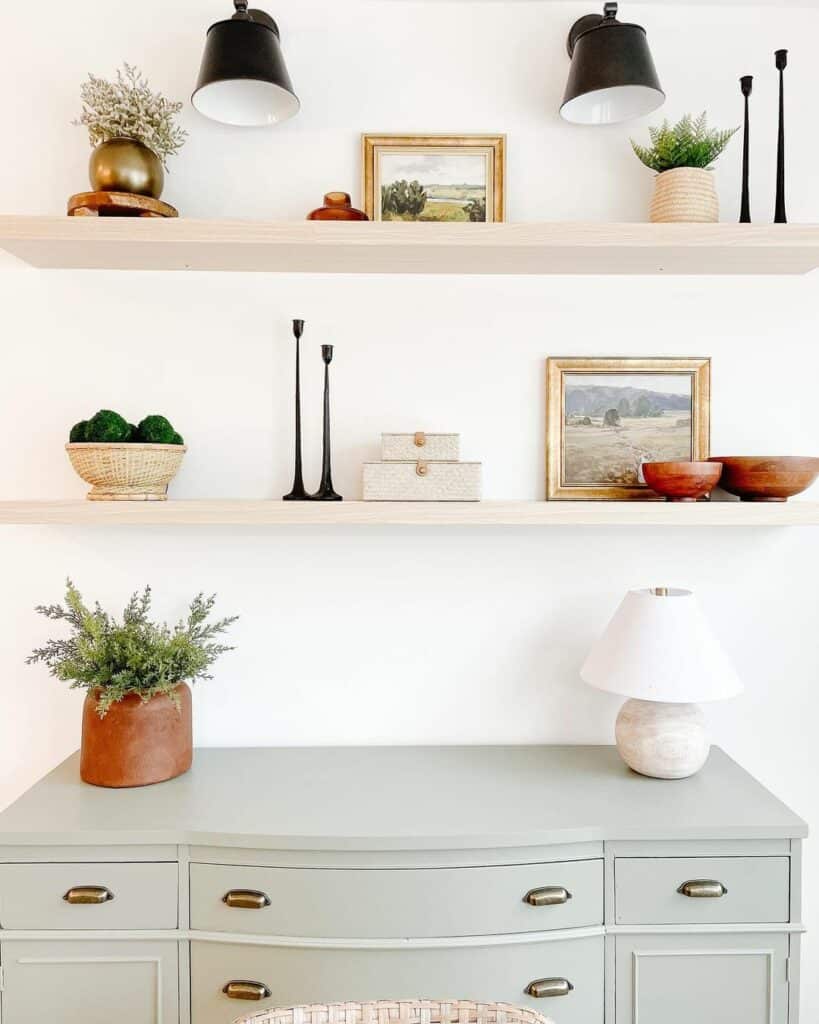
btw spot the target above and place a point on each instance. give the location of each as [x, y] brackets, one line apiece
[612, 76]
[659, 647]
[243, 80]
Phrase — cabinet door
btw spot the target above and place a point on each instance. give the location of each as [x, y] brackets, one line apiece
[705, 978]
[90, 982]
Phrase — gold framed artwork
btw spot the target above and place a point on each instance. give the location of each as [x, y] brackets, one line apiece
[434, 178]
[606, 417]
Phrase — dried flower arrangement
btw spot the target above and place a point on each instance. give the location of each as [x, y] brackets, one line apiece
[127, 108]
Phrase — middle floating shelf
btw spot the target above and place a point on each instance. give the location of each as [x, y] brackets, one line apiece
[223, 512]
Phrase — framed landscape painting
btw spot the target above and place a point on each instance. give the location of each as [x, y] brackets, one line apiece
[434, 178]
[606, 417]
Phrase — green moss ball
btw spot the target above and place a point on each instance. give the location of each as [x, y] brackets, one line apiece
[107, 427]
[156, 430]
[177, 438]
[134, 432]
[77, 433]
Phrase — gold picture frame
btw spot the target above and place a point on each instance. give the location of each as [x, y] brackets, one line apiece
[408, 152]
[601, 460]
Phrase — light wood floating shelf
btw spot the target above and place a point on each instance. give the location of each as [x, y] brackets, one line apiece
[325, 248]
[359, 513]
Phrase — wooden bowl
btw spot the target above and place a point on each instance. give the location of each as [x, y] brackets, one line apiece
[682, 481]
[767, 477]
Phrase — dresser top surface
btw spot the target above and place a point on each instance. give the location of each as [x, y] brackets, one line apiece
[401, 798]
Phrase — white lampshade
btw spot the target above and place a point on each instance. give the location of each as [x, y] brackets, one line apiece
[659, 647]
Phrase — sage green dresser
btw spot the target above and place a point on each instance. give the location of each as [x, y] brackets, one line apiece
[547, 876]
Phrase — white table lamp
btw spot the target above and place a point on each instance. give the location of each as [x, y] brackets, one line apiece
[659, 650]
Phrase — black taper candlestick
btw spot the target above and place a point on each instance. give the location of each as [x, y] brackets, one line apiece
[325, 491]
[746, 82]
[780, 216]
[298, 492]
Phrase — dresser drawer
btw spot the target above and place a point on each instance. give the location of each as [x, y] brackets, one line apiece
[305, 975]
[121, 896]
[396, 903]
[670, 890]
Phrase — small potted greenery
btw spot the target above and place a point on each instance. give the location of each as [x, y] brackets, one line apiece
[132, 132]
[136, 726]
[124, 462]
[682, 155]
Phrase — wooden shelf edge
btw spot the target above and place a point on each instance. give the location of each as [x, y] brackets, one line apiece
[560, 247]
[358, 513]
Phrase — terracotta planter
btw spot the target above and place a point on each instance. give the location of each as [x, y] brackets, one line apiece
[684, 195]
[138, 742]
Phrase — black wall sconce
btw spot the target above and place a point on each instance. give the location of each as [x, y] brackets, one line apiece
[612, 77]
[243, 79]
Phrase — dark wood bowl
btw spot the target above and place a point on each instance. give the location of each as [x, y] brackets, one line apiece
[767, 477]
[682, 481]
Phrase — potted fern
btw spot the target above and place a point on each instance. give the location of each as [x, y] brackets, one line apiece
[136, 725]
[682, 155]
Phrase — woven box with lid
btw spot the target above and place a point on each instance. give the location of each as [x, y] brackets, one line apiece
[420, 445]
[422, 481]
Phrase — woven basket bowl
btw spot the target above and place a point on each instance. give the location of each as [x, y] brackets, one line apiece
[126, 472]
[404, 1011]
[684, 195]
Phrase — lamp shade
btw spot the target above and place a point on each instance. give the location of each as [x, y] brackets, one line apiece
[243, 79]
[659, 647]
[612, 76]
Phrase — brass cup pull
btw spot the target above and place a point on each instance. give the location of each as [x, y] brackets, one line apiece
[702, 888]
[421, 468]
[548, 896]
[246, 899]
[253, 990]
[88, 895]
[420, 439]
[547, 988]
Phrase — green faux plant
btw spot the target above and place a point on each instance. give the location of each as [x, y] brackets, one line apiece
[128, 109]
[133, 655]
[688, 143]
[108, 427]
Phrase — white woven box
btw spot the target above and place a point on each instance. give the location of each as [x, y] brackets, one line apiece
[422, 481]
[429, 447]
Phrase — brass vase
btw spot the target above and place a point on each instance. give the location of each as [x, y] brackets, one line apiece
[126, 165]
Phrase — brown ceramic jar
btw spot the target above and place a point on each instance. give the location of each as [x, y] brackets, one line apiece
[337, 206]
[138, 742]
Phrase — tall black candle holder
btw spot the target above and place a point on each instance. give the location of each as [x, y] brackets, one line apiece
[780, 216]
[325, 491]
[298, 492]
[746, 84]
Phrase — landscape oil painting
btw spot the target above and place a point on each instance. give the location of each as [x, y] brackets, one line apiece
[429, 179]
[609, 417]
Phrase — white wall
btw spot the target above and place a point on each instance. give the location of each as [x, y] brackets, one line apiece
[403, 635]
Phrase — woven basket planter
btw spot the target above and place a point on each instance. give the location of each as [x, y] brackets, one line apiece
[405, 1011]
[684, 195]
[126, 472]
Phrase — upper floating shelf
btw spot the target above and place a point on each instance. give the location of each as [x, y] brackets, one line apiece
[109, 243]
[374, 513]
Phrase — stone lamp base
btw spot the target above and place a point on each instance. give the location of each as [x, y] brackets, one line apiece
[663, 741]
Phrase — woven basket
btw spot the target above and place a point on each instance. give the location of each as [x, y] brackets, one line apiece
[126, 472]
[684, 195]
[405, 1011]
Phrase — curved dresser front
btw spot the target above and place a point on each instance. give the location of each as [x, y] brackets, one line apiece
[549, 877]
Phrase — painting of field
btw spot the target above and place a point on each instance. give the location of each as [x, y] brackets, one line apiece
[433, 186]
[613, 423]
